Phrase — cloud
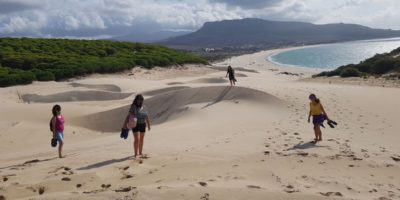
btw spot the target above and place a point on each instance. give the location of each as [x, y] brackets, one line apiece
[28, 24]
[249, 4]
[10, 6]
[96, 18]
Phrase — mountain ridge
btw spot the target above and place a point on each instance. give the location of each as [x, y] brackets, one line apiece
[253, 32]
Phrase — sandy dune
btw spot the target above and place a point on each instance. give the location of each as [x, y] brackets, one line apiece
[167, 104]
[208, 141]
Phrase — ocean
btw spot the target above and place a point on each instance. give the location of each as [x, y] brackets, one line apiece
[331, 56]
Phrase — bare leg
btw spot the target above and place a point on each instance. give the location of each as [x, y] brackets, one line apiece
[136, 143]
[319, 133]
[316, 127]
[60, 148]
[141, 137]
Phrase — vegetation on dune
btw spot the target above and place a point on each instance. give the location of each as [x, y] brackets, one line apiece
[23, 60]
[380, 64]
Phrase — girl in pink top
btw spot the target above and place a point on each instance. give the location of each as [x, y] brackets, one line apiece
[57, 123]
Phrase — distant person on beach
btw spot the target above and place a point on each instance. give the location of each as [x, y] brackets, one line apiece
[57, 126]
[140, 128]
[231, 73]
[319, 116]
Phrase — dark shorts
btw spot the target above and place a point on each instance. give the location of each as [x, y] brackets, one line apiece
[139, 128]
[318, 119]
[232, 78]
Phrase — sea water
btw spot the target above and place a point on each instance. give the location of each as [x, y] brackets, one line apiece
[331, 56]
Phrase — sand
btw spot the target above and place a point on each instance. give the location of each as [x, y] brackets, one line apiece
[208, 140]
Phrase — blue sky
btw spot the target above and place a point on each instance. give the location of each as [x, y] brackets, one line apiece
[107, 18]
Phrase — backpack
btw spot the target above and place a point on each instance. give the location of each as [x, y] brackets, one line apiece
[132, 121]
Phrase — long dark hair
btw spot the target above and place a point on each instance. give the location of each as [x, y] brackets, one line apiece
[56, 110]
[138, 101]
[314, 97]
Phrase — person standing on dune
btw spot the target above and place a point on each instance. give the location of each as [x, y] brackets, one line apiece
[57, 127]
[319, 116]
[231, 73]
[140, 129]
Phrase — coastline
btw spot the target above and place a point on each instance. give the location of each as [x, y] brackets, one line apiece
[308, 72]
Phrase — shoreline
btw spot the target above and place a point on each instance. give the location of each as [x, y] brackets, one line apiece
[397, 39]
[305, 73]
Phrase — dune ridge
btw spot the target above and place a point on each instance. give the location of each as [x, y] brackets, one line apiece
[106, 87]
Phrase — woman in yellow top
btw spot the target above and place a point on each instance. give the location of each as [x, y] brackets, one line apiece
[319, 116]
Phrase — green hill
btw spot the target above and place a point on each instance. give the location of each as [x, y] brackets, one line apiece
[23, 60]
[381, 64]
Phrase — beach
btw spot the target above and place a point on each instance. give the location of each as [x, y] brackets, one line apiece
[208, 140]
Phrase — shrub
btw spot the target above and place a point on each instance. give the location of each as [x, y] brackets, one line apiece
[383, 66]
[350, 72]
[56, 59]
[43, 75]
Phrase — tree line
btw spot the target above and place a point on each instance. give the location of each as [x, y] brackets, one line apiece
[23, 60]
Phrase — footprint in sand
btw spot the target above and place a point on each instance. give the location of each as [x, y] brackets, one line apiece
[290, 189]
[41, 190]
[105, 186]
[152, 171]
[124, 189]
[254, 187]
[203, 184]
[205, 196]
[328, 194]
[66, 179]
[127, 176]
[396, 158]
[159, 181]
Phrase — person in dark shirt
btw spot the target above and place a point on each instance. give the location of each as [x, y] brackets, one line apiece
[231, 73]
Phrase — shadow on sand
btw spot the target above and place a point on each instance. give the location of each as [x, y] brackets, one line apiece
[220, 97]
[307, 145]
[104, 163]
[29, 162]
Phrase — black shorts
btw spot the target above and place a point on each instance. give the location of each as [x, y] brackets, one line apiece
[139, 128]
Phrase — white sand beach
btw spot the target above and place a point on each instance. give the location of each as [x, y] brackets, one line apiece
[208, 140]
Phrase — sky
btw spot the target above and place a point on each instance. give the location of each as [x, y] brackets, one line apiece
[109, 18]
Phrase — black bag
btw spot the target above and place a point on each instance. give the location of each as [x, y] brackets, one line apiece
[51, 125]
[124, 133]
